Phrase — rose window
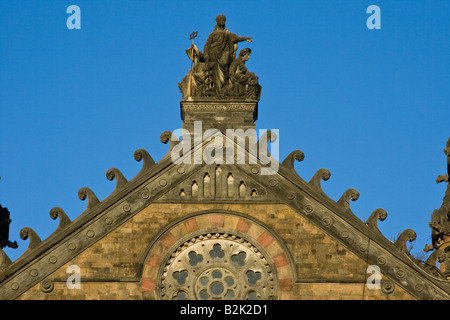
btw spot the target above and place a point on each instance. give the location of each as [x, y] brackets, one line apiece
[217, 266]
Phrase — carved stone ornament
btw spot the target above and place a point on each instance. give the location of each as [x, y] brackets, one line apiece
[387, 286]
[219, 72]
[440, 218]
[217, 267]
[47, 285]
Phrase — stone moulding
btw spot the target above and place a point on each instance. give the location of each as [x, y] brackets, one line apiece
[218, 107]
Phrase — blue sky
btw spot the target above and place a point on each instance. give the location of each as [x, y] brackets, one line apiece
[371, 106]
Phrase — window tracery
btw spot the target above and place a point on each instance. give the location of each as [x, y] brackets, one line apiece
[217, 266]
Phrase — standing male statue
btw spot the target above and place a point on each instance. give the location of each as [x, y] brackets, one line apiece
[220, 51]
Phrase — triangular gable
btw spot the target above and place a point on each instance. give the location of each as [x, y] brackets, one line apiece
[165, 181]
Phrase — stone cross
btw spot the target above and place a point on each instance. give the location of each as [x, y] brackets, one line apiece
[192, 36]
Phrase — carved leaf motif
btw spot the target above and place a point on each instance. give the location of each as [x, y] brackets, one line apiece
[288, 162]
[294, 155]
[321, 174]
[64, 220]
[84, 193]
[148, 162]
[350, 194]
[168, 136]
[115, 173]
[378, 214]
[406, 235]
[35, 240]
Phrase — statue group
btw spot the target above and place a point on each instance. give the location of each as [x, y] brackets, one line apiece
[217, 72]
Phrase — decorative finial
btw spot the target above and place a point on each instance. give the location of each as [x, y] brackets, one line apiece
[193, 36]
[440, 219]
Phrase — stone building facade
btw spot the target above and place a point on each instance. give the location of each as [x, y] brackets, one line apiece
[208, 229]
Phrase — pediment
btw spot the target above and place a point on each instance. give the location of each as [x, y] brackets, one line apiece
[166, 181]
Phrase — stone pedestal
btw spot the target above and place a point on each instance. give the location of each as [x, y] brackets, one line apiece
[219, 114]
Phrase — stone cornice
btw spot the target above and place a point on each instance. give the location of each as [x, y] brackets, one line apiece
[219, 106]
